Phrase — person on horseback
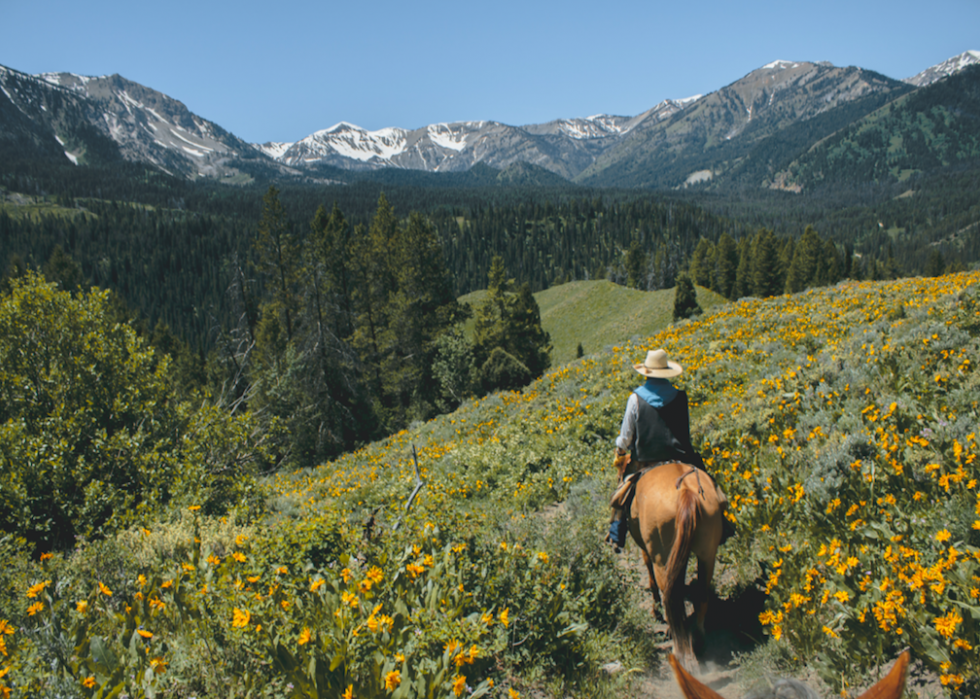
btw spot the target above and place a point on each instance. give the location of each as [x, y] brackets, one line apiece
[656, 427]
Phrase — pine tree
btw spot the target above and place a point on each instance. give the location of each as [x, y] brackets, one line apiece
[702, 264]
[726, 266]
[743, 275]
[333, 268]
[831, 268]
[685, 298]
[278, 258]
[636, 263]
[936, 266]
[508, 331]
[527, 339]
[766, 265]
[375, 282]
[422, 307]
[803, 269]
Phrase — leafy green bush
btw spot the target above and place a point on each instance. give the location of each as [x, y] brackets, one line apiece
[92, 435]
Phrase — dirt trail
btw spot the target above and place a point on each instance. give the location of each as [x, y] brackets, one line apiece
[731, 627]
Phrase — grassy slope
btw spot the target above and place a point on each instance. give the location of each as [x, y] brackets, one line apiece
[599, 314]
[841, 422]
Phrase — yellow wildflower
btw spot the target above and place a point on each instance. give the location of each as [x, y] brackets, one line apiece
[34, 590]
[946, 625]
[392, 680]
[241, 617]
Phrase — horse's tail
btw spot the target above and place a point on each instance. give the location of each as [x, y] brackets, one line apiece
[673, 594]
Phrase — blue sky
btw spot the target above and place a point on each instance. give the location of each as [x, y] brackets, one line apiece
[279, 70]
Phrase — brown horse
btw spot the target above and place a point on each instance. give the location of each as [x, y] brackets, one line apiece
[891, 686]
[675, 512]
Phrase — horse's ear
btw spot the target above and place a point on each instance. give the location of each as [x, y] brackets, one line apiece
[691, 688]
[891, 685]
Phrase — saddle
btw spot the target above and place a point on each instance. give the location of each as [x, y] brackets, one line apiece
[623, 497]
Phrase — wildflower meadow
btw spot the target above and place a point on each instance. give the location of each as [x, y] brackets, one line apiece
[463, 557]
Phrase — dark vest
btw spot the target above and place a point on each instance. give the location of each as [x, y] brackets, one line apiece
[663, 434]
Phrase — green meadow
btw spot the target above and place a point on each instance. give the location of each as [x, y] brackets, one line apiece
[463, 557]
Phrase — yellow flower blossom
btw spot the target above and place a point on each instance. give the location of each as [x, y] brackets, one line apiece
[946, 625]
[392, 680]
[34, 590]
[241, 618]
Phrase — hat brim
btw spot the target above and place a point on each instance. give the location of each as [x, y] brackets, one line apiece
[673, 369]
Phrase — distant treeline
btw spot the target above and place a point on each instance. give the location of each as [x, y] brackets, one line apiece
[175, 264]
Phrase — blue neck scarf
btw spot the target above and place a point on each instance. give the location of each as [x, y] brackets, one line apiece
[657, 392]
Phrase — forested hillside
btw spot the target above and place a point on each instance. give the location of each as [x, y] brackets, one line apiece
[919, 132]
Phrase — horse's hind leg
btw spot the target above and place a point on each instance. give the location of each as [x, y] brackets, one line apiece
[706, 570]
[654, 588]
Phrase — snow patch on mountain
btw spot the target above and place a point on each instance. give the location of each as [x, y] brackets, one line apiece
[76, 83]
[445, 136]
[274, 149]
[73, 158]
[944, 69]
[354, 142]
[780, 65]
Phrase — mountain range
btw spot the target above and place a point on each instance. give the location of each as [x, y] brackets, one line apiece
[765, 130]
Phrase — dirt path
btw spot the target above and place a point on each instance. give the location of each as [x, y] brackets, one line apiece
[731, 627]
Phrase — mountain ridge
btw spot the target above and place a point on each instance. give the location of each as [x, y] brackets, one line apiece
[705, 140]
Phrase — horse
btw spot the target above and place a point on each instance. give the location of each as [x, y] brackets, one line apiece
[891, 686]
[671, 516]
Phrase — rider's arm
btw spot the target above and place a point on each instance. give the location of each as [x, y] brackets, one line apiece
[628, 430]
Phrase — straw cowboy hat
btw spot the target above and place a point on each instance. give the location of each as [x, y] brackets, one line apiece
[658, 366]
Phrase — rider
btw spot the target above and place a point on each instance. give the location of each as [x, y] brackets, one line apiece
[657, 427]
